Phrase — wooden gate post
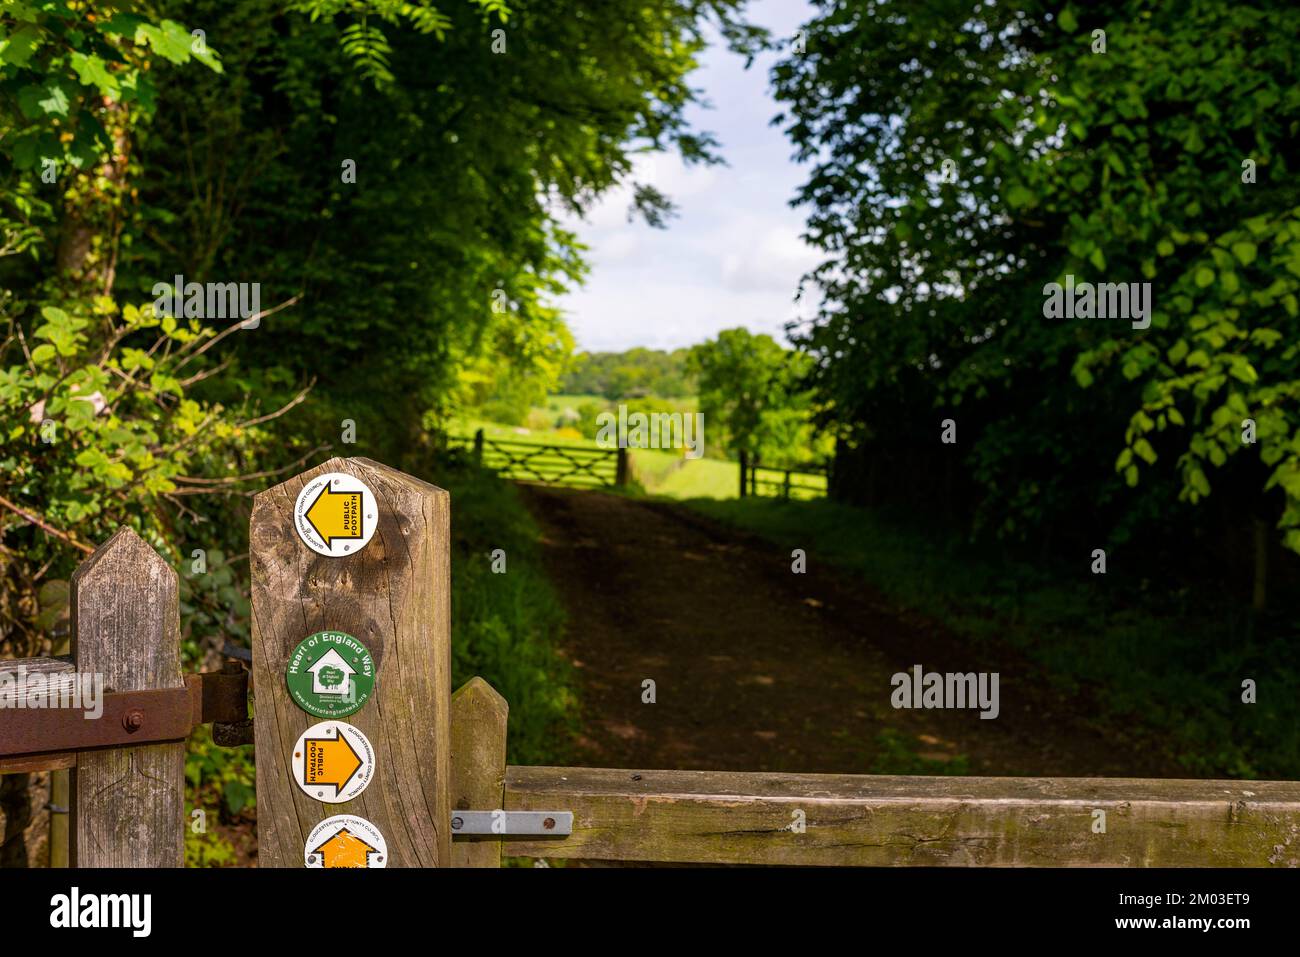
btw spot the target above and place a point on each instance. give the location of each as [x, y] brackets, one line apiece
[478, 765]
[128, 804]
[393, 594]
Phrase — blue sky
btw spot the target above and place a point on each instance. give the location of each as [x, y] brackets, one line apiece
[732, 256]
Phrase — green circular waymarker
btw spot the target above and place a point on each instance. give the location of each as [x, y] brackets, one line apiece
[330, 674]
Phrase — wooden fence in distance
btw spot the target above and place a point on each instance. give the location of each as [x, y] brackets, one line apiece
[792, 483]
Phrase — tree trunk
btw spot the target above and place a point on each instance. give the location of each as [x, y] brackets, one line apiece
[93, 215]
[1259, 595]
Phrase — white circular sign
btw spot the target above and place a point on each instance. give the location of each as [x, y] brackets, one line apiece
[335, 514]
[345, 840]
[333, 762]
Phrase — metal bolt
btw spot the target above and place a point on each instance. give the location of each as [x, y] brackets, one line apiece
[549, 823]
[133, 720]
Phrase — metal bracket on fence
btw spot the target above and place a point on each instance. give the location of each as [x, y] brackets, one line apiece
[124, 718]
[512, 823]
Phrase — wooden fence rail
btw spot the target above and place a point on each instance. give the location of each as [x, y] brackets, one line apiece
[430, 756]
[722, 817]
[791, 483]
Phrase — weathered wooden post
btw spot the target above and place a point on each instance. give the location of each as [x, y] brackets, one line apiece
[355, 548]
[478, 765]
[621, 469]
[785, 487]
[744, 469]
[128, 804]
[478, 448]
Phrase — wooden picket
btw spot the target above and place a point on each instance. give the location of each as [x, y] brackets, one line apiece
[126, 804]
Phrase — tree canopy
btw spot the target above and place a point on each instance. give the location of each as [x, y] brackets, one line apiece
[963, 158]
[389, 176]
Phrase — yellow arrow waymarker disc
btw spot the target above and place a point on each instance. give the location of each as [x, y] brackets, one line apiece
[333, 762]
[335, 514]
[345, 840]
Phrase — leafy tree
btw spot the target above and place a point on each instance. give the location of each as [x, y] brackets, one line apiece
[966, 157]
[638, 371]
[750, 392]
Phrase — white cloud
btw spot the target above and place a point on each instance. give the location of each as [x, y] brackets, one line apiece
[733, 256]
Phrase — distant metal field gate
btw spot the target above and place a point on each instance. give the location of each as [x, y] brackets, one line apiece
[551, 464]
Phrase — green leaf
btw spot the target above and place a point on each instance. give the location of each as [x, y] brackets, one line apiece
[20, 46]
[169, 40]
[91, 71]
[26, 151]
[1244, 251]
[1068, 21]
[1204, 276]
[1020, 197]
[49, 99]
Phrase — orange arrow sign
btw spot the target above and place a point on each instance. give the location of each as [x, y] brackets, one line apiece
[336, 515]
[345, 849]
[329, 761]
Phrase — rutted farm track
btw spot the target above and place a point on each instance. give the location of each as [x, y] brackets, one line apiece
[758, 668]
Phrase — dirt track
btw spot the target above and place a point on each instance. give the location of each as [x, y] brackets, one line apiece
[758, 668]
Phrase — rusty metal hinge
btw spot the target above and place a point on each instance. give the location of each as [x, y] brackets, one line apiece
[126, 718]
